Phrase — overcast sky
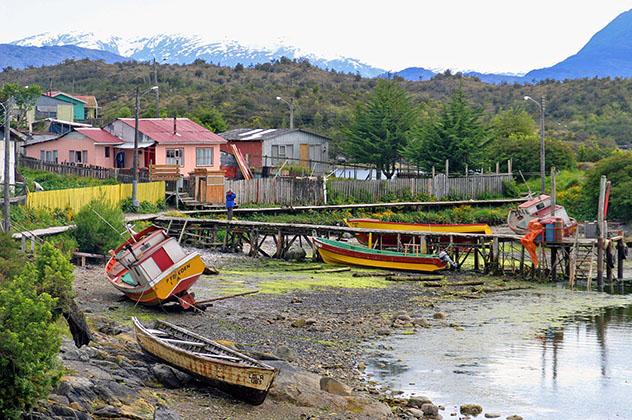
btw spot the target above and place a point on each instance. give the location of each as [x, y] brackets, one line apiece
[483, 35]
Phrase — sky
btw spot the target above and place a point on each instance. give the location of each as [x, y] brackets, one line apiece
[483, 35]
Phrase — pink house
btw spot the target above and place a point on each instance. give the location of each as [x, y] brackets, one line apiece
[87, 146]
[161, 141]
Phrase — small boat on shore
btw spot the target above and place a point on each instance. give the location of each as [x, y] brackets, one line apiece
[152, 268]
[540, 207]
[391, 240]
[336, 252]
[233, 372]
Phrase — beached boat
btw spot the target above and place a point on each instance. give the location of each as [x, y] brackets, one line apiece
[336, 252]
[152, 268]
[225, 368]
[391, 240]
[540, 207]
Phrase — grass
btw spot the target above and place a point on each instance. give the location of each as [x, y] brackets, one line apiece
[51, 181]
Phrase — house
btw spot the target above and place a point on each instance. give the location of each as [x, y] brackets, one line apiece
[91, 107]
[265, 149]
[168, 141]
[15, 139]
[85, 146]
[78, 105]
[49, 107]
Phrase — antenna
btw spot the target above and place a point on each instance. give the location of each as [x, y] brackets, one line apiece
[525, 183]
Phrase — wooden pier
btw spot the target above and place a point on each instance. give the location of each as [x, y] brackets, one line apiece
[572, 259]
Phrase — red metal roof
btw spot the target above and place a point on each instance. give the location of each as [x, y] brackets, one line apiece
[98, 135]
[161, 130]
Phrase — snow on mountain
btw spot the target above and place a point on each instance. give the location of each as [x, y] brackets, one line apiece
[183, 49]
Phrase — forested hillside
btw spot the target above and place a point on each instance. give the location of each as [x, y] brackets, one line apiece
[578, 111]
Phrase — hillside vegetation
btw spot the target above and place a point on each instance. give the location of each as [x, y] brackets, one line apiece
[586, 110]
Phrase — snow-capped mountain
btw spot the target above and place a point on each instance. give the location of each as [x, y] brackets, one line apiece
[184, 49]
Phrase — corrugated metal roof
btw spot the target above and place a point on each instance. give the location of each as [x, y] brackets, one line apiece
[187, 131]
[99, 135]
[90, 100]
[250, 134]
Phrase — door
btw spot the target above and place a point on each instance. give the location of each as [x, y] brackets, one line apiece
[304, 155]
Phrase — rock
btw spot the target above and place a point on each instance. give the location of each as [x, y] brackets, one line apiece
[471, 409]
[298, 323]
[334, 387]
[430, 409]
[163, 413]
[310, 321]
[295, 253]
[492, 415]
[361, 366]
[440, 315]
[404, 317]
[109, 327]
[418, 401]
[421, 322]
[286, 353]
[514, 417]
[108, 411]
[77, 389]
[170, 377]
[383, 331]
[296, 300]
[415, 412]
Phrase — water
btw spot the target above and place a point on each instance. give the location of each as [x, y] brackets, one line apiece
[521, 355]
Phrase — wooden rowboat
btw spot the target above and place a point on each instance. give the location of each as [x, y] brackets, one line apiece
[233, 372]
[336, 252]
[391, 240]
[540, 207]
[151, 268]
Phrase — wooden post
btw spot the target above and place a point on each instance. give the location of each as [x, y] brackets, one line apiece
[602, 232]
[609, 261]
[445, 180]
[620, 258]
[553, 262]
[466, 170]
[497, 168]
[553, 191]
[509, 169]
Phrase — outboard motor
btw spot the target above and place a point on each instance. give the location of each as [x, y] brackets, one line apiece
[443, 256]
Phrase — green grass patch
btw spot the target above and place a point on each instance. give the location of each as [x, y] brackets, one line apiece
[51, 181]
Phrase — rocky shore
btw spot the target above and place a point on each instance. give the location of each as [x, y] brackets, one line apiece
[302, 321]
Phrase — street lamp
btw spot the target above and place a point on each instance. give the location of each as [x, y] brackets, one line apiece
[291, 105]
[542, 157]
[6, 209]
[139, 95]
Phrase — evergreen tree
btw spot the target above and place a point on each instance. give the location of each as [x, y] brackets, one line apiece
[456, 134]
[381, 127]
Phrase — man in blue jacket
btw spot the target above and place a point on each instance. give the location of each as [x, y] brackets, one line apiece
[230, 204]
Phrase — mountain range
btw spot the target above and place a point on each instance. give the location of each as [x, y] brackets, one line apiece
[607, 54]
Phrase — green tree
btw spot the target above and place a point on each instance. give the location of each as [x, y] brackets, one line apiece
[96, 228]
[24, 98]
[210, 118]
[514, 121]
[381, 127]
[456, 134]
[618, 169]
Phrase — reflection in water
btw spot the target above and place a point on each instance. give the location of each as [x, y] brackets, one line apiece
[582, 369]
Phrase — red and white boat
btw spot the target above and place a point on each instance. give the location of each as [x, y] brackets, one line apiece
[152, 268]
[540, 207]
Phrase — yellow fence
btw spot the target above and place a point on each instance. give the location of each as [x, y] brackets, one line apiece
[76, 198]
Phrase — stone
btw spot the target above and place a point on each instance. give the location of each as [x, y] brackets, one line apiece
[108, 411]
[383, 331]
[296, 300]
[404, 317]
[361, 366]
[418, 401]
[471, 409]
[514, 417]
[298, 323]
[421, 322]
[286, 353]
[170, 377]
[492, 415]
[310, 321]
[440, 315]
[415, 412]
[295, 253]
[334, 387]
[164, 413]
[430, 409]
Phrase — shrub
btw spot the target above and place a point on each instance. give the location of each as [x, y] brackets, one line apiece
[97, 227]
[618, 169]
[144, 207]
[29, 343]
[11, 259]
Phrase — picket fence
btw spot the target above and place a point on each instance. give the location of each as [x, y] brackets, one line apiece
[310, 191]
[76, 198]
[97, 172]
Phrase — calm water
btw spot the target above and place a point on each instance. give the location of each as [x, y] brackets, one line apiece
[503, 359]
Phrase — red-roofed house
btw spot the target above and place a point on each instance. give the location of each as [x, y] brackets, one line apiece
[169, 141]
[87, 146]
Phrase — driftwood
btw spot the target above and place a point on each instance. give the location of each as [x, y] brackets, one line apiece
[334, 270]
[375, 274]
[415, 278]
[305, 268]
[455, 283]
[204, 302]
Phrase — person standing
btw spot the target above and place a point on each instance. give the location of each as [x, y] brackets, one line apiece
[230, 204]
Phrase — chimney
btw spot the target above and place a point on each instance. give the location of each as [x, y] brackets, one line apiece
[175, 126]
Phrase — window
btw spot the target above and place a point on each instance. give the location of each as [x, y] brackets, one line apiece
[42, 155]
[175, 157]
[55, 156]
[49, 156]
[84, 156]
[107, 151]
[204, 156]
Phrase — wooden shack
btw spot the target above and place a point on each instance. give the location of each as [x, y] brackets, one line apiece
[207, 186]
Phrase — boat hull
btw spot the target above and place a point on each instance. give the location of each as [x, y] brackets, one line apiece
[249, 383]
[390, 240]
[332, 254]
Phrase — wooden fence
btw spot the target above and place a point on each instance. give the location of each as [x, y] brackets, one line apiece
[310, 191]
[280, 191]
[97, 172]
[76, 198]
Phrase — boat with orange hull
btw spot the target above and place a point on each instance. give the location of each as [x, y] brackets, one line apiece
[390, 240]
[151, 268]
[539, 208]
[336, 252]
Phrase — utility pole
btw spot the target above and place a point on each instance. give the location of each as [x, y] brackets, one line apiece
[542, 158]
[290, 104]
[6, 213]
[135, 202]
[157, 90]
